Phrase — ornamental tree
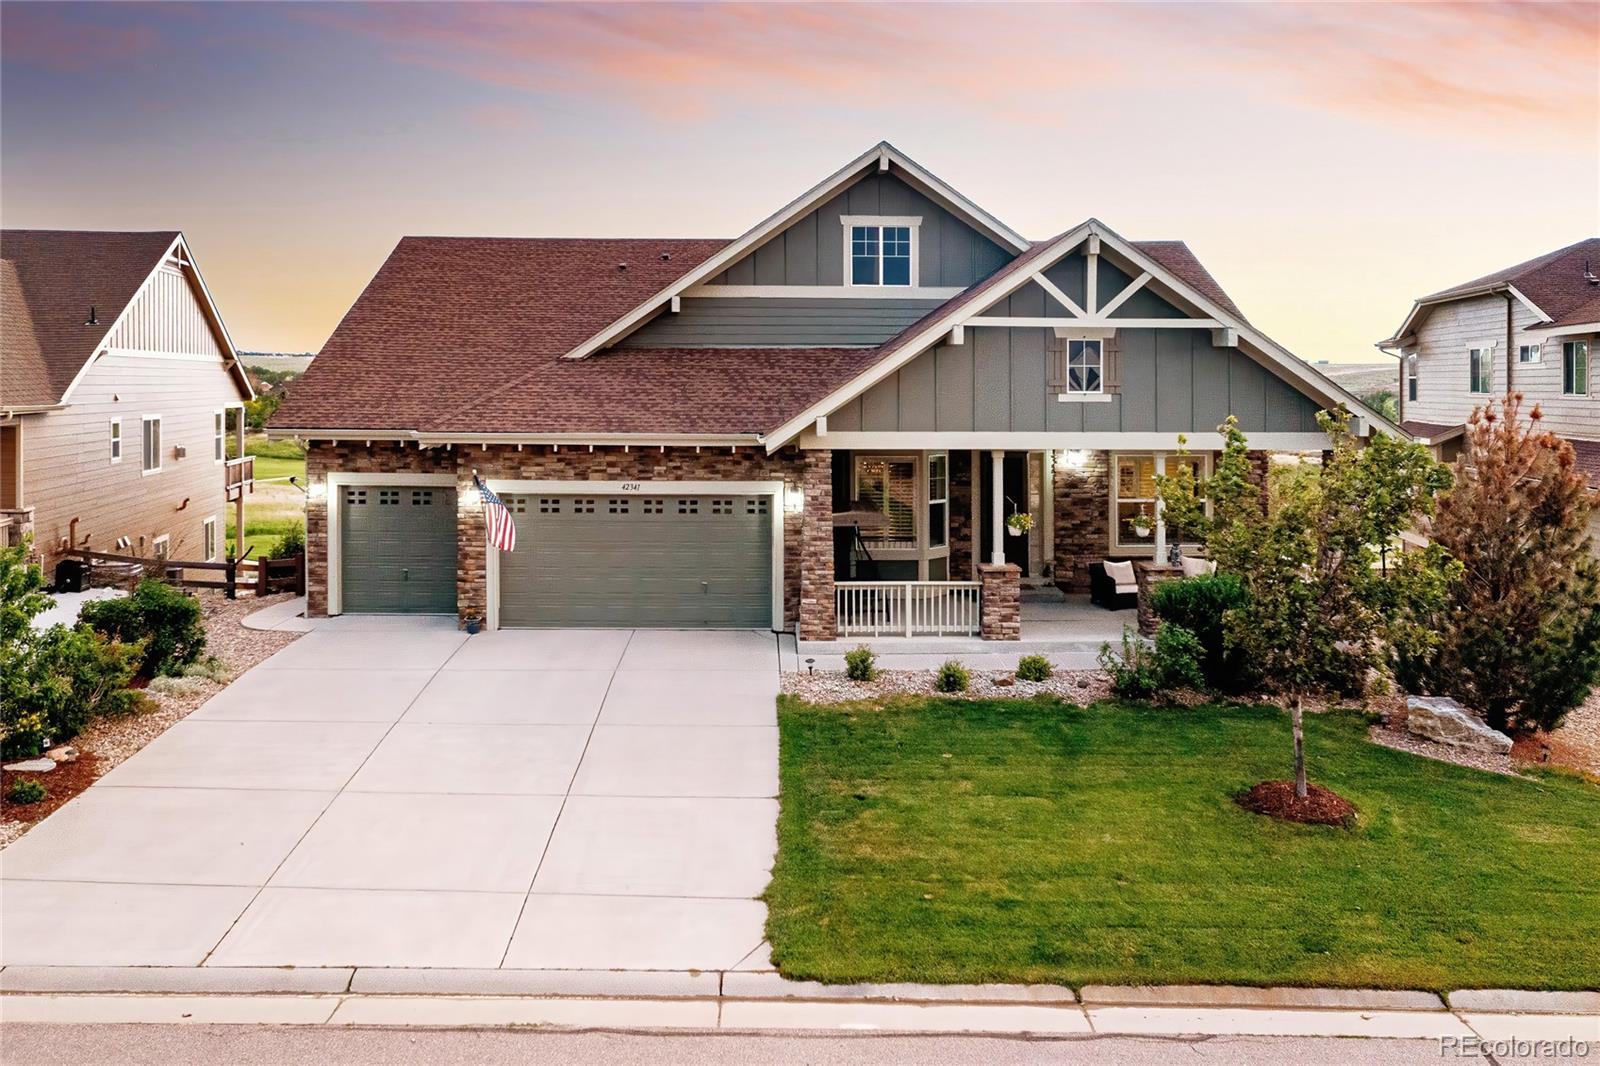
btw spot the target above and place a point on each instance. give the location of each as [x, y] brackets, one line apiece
[1520, 632]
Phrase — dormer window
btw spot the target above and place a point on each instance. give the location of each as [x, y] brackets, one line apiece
[881, 251]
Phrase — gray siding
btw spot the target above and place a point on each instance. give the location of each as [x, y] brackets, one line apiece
[1172, 381]
[811, 250]
[1068, 275]
[784, 322]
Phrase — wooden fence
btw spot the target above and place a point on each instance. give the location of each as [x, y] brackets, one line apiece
[262, 576]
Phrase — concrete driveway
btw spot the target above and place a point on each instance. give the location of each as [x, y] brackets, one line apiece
[390, 792]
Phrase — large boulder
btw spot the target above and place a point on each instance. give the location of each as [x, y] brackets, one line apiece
[1447, 722]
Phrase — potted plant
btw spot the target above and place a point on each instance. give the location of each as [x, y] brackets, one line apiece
[1142, 525]
[1019, 523]
[474, 624]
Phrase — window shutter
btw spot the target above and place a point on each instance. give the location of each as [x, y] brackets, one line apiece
[1111, 375]
[1056, 359]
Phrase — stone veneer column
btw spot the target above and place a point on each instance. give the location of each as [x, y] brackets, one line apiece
[317, 462]
[817, 619]
[472, 552]
[961, 532]
[1082, 520]
[1260, 463]
[1000, 600]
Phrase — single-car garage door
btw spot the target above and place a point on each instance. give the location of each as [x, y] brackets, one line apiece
[667, 561]
[397, 549]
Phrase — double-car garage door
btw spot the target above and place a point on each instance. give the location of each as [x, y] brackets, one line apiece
[669, 561]
[700, 561]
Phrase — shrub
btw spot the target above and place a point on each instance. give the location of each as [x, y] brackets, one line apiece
[1141, 671]
[1033, 668]
[1520, 629]
[1199, 605]
[953, 677]
[164, 618]
[292, 543]
[861, 664]
[211, 668]
[67, 678]
[25, 790]
[178, 686]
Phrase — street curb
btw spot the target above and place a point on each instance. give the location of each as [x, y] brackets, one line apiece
[175, 979]
[606, 984]
[1517, 1001]
[1247, 996]
[771, 985]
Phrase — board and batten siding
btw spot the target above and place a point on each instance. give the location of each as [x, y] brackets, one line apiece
[740, 322]
[165, 317]
[1173, 380]
[811, 250]
[1451, 329]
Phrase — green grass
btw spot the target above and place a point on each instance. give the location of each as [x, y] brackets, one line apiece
[955, 841]
[275, 507]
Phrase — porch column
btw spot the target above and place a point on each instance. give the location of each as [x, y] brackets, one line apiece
[238, 505]
[997, 507]
[1161, 523]
[817, 619]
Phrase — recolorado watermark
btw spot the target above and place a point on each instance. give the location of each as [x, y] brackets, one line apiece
[1512, 1047]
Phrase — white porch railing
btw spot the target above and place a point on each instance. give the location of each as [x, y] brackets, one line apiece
[908, 608]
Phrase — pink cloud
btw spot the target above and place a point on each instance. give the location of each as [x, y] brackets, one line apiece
[70, 39]
[1522, 65]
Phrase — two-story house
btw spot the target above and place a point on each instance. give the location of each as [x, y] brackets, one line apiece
[1530, 328]
[845, 411]
[118, 387]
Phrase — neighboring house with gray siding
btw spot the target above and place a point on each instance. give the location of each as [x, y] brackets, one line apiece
[824, 424]
[1532, 328]
[118, 387]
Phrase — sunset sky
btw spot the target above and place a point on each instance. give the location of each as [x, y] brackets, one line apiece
[1327, 162]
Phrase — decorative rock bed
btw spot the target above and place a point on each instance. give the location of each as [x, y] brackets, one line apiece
[1074, 686]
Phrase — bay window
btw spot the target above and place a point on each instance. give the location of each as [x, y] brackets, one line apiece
[938, 500]
[888, 486]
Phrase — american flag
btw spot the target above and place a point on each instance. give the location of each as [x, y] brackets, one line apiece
[502, 530]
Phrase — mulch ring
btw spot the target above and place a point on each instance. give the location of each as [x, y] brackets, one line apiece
[1276, 799]
[65, 781]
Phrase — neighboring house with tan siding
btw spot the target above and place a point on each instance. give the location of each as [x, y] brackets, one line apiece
[1532, 328]
[118, 387]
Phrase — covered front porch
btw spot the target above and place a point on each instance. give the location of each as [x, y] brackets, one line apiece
[997, 544]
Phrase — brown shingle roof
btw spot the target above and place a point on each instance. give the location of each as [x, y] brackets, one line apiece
[1553, 281]
[51, 278]
[467, 335]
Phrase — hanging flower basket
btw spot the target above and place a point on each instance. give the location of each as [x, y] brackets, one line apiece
[1019, 523]
[1142, 526]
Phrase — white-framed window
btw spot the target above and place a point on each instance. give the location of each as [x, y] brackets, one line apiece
[161, 547]
[1480, 370]
[1086, 366]
[887, 485]
[880, 252]
[1575, 368]
[219, 437]
[208, 539]
[1133, 493]
[1528, 353]
[151, 444]
[938, 500]
[1411, 377]
[116, 440]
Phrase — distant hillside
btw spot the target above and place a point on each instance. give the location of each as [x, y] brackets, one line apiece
[1363, 378]
[295, 362]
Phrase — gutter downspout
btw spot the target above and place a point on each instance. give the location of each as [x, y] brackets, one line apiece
[1511, 348]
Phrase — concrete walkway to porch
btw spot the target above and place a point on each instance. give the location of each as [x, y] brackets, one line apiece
[1066, 628]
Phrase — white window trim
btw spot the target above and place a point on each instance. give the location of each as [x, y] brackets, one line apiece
[936, 551]
[913, 222]
[160, 444]
[1158, 526]
[1588, 356]
[1535, 353]
[209, 524]
[219, 436]
[919, 488]
[117, 441]
[1486, 359]
[1085, 395]
[157, 543]
[1413, 381]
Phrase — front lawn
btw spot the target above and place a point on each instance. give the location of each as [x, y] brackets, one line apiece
[1010, 840]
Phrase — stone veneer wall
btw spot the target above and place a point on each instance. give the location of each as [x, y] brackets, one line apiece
[1000, 601]
[817, 617]
[541, 462]
[1082, 518]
